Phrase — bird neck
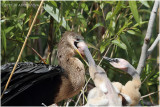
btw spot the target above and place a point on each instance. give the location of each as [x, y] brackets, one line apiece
[135, 77]
[89, 57]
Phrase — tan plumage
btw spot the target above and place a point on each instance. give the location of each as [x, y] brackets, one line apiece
[131, 88]
[74, 79]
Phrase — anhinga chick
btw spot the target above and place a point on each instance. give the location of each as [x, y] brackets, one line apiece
[131, 88]
[35, 83]
[104, 93]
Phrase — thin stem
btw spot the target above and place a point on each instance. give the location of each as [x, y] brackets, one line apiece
[31, 48]
[29, 32]
[149, 94]
[82, 90]
[105, 54]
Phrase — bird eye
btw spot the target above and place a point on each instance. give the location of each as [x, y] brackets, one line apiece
[77, 39]
[116, 60]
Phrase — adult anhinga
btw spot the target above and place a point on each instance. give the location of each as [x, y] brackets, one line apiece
[102, 83]
[35, 83]
[131, 88]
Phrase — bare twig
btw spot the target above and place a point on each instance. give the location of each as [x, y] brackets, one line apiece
[68, 101]
[31, 48]
[153, 45]
[147, 38]
[149, 94]
[82, 91]
[22, 49]
[105, 54]
[50, 39]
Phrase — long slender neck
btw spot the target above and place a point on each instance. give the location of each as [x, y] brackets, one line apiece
[89, 57]
[131, 70]
[135, 76]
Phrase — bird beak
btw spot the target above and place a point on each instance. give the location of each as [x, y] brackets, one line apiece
[111, 59]
[80, 49]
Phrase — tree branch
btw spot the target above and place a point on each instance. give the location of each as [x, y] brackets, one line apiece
[153, 45]
[143, 56]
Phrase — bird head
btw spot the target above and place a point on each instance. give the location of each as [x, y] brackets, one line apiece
[122, 64]
[68, 44]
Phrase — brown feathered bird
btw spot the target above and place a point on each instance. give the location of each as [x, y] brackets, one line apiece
[35, 83]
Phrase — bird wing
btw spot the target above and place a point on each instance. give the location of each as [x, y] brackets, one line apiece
[26, 75]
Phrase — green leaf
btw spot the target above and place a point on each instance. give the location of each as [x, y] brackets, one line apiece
[109, 14]
[120, 44]
[22, 16]
[139, 24]
[54, 3]
[9, 29]
[118, 7]
[97, 12]
[96, 25]
[56, 16]
[19, 25]
[84, 6]
[133, 7]
[27, 20]
[145, 3]
[104, 45]
[130, 50]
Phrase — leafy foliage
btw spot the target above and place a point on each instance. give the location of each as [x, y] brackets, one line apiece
[121, 24]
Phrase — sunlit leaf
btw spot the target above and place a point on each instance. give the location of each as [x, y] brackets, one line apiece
[53, 3]
[22, 16]
[117, 9]
[120, 44]
[84, 6]
[141, 23]
[55, 15]
[133, 7]
[9, 29]
[145, 3]
[96, 25]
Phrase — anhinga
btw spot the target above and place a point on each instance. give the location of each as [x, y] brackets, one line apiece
[35, 83]
[102, 83]
[131, 88]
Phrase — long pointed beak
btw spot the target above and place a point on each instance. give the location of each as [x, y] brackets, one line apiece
[80, 53]
[84, 48]
[111, 59]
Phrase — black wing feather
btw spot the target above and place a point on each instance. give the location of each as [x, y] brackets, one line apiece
[36, 79]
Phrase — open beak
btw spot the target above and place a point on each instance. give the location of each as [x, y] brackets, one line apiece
[79, 48]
